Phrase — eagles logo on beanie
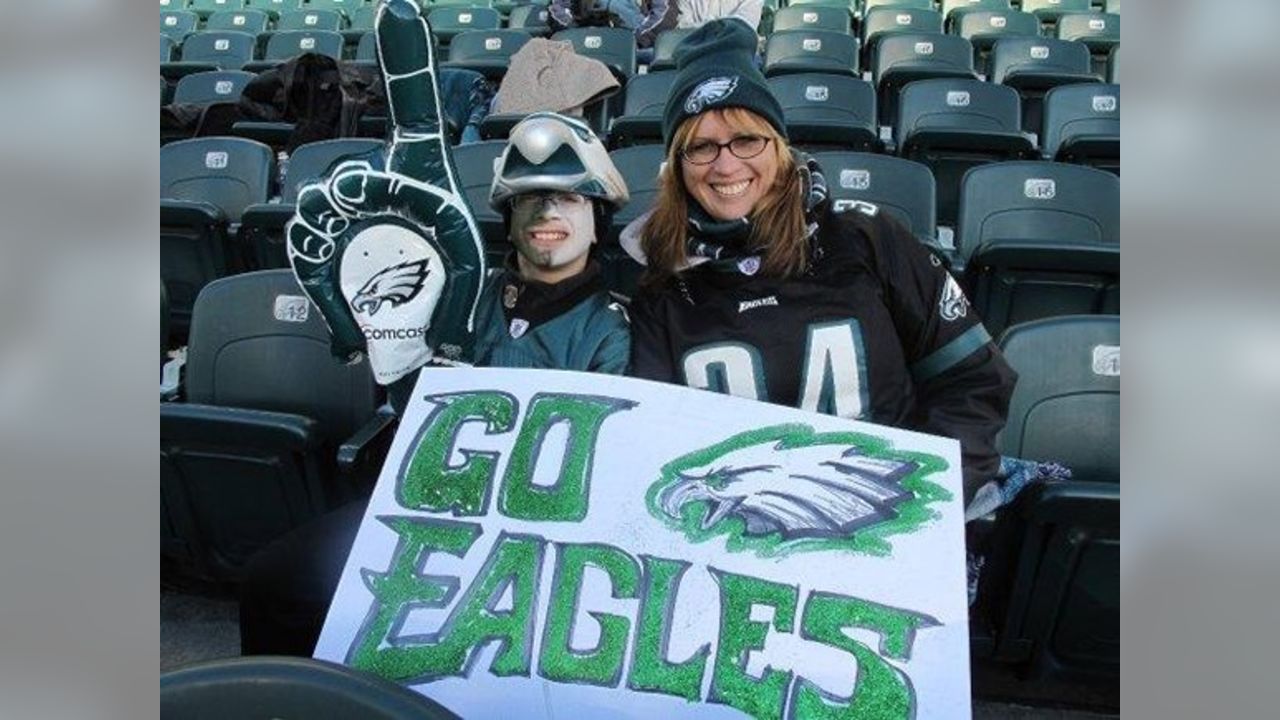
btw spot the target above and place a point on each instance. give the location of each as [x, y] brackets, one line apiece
[715, 68]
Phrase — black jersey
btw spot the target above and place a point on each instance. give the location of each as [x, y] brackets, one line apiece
[876, 330]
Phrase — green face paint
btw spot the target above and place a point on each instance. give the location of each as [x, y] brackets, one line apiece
[566, 501]
[650, 669]
[739, 635]
[601, 665]
[428, 482]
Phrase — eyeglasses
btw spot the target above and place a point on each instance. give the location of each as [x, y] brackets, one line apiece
[743, 147]
[535, 200]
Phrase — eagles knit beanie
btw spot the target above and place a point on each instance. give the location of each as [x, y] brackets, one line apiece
[715, 68]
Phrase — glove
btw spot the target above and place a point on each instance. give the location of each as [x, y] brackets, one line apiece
[391, 256]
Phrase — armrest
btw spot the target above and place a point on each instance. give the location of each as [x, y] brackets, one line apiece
[1069, 257]
[210, 425]
[1074, 502]
[360, 447]
[190, 212]
[267, 216]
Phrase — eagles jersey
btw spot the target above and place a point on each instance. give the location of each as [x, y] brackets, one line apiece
[571, 325]
[876, 330]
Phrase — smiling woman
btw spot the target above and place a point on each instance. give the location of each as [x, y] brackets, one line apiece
[756, 287]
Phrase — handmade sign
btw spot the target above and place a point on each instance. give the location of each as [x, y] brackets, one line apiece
[555, 544]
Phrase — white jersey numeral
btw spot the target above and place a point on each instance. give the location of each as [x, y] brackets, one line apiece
[834, 370]
[730, 368]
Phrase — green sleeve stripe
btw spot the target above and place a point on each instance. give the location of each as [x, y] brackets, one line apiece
[948, 355]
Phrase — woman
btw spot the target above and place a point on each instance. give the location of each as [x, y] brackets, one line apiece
[755, 288]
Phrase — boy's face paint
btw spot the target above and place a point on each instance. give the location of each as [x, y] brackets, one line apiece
[552, 233]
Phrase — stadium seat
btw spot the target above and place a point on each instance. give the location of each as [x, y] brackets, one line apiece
[206, 51]
[288, 687]
[1113, 66]
[953, 9]
[901, 59]
[475, 172]
[808, 51]
[901, 188]
[488, 52]
[615, 47]
[1082, 125]
[250, 21]
[367, 48]
[262, 225]
[532, 19]
[869, 5]
[885, 21]
[641, 119]
[167, 50]
[345, 7]
[273, 8]
[1039, 239]
[953, 124]
[1113, 7]
[360, 22]
[177, 24]
[1100, 32]
[1048, 11]
[448, 21]
[205, 186]
[828, 111]
[664, 48]
[639, 167]
[216, 86]
[254, 451]
[205, 8]
[283, 46]
[813, 17]
[983, 28]
[310, 20]
[1056, 598]
[1033, 66]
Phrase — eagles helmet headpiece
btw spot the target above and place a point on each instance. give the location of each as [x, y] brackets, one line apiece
[547, 151]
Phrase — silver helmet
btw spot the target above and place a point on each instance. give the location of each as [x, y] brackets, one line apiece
[547, 151]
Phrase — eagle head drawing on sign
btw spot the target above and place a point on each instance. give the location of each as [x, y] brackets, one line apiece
[389, 251]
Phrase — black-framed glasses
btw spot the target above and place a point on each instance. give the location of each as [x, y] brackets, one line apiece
[705, 152]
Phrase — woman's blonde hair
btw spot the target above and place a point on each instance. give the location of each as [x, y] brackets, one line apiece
[777, 221]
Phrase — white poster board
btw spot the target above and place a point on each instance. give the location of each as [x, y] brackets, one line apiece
[555, 544]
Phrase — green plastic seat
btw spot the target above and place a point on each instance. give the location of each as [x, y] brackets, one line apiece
[1100, 32]
[951, 9]
[1053, 584]
[1033, 66]
[487, 52]
[205, 8]
[954, 124]
[982, 28]
[827, 111]
[273, 8]
[811, 51]
[1082, 125]
[246, 20]
[178, 24]
[664, 48]
[448, 22]
[905, 58]
[641, 119]
[902, 188]
[475, 172]
[1050, 10]
[886, 21]
[615, 47]
[816, 17]
[217, 86]
[282, 46]
[1039, 239]
[201, 52]
[309, 20]
[639, 167]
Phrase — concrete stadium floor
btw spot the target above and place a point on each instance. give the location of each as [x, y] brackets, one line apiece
[194, 628]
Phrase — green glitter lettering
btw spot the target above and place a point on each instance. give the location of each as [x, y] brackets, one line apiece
[601, 665]
[428, 481]
[566, 500]
[402, 588]
[650, 669]
[739, 635]
[881, 690]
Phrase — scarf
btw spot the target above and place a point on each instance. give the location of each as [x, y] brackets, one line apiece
[726, 244]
